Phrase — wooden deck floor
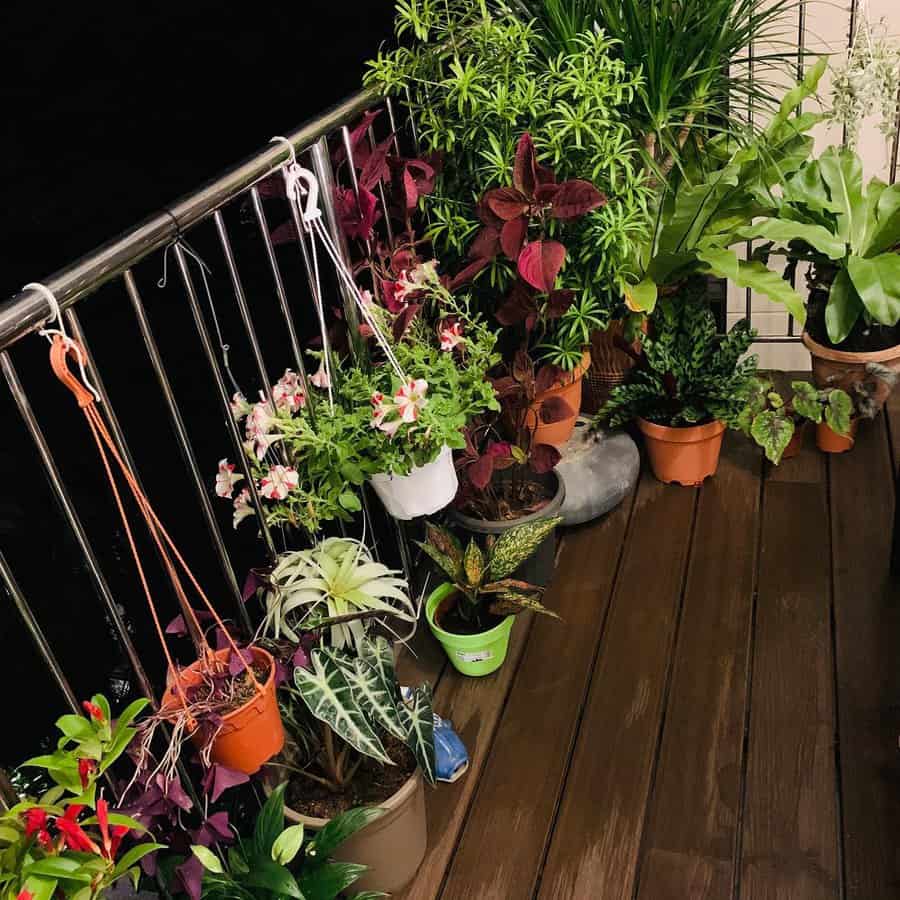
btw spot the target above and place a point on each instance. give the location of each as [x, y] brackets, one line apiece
[718, 716]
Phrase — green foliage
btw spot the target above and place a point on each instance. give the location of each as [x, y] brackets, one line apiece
[482, 576]
[690, 375]
[475, 78]
[337, 577]
[767, 419]
[358, 698]
[258, 867]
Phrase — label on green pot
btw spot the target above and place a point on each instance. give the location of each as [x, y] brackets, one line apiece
[480, 656]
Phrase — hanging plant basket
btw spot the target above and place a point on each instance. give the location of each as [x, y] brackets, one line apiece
[424, 491]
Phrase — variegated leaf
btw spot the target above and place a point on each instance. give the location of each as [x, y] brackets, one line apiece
[328, 696]
[446, 564]
[419, 720]
[512, 603]
[473, 564]
[445, 541]
[513, 547]
[373, 698]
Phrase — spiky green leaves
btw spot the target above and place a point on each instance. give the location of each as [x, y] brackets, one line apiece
[515, 546]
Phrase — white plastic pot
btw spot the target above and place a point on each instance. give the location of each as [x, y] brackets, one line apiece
[424, 491]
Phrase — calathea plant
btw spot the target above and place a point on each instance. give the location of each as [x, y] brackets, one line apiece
[354, 700]
[483, 577]
[329, 586]
[277, 861]
[689, 375]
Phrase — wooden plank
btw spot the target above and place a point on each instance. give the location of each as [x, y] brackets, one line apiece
[596, 838]
[867, 617]
[501, 848]
[689, 842]
[473, 705]
[790, 826]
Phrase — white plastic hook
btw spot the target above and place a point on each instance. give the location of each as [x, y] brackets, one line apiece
[300, 183]
[56, 317]
[290, 146]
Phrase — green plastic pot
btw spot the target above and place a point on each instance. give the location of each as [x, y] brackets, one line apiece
[471, 654]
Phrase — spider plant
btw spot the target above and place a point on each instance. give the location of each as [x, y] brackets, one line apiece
[331, 584]
[698, 58]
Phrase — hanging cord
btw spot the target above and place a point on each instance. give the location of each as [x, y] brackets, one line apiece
[60, 348]
[204, 272]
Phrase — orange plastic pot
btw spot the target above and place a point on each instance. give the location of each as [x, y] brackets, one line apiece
[829, 441]
[568, 388]
[249, 735]
[683, 455]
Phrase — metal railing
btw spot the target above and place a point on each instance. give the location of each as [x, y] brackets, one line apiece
[30, 310]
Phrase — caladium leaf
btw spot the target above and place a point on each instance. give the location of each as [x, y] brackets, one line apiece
[329, 698]
[575, 198]
[378, 653]
[513, 547]
[374, 697]
[540, 262]
[419, 722]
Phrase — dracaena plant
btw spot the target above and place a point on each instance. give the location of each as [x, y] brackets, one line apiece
[484, 577]
[344, 704]
[329, 586]
[277, 861]
[501, 465]
[68, 842]
[689, 375]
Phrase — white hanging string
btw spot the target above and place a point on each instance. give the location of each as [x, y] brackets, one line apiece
[204, 272]
[56, 316]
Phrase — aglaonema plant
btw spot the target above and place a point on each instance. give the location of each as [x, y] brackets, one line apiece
[483, 577]
[277, 862]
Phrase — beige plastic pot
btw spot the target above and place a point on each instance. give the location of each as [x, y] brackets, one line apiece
[393, 846]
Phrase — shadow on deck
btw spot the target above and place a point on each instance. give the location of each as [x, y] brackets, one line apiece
[718, 715]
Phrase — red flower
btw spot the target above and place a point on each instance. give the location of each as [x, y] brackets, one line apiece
[35, 820]
[71, 832]
[85, 768]
[111, 837]
[93, 711]
[25, 895]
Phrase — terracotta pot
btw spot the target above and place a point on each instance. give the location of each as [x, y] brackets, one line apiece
[829, 441]
[251, 734]
[683, 455]
[795, 445]
[841, 368]
[569, 389]
[539, 567]
[393, 846]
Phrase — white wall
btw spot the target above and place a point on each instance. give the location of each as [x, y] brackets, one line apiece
[826, 30]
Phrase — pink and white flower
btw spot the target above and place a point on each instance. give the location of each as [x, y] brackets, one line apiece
[279, 482]
[410, 399]
[242, 507]
[226, 479]
[384, 415]
[451, 336]
[287, 393]
[239, 406]
[320, 377]
[366, 297]
[419, 277]
[259, 420]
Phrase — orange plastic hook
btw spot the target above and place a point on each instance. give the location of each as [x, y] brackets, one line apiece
[60, 350]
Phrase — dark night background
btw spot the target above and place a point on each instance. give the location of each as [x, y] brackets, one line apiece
[110, 114]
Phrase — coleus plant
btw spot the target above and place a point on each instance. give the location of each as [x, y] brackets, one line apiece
[484, 578]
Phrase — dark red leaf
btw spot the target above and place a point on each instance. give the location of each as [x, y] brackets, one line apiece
[486, 244]
[540, 262]
[271, 186]
[219, 778]
[511, 312]
[285, 233]
[558, 302]
[357, 217]
[523, 368]
[523, 168]
[547, 377]
[356, 135]
[467, 273]
[402, 322]
[505, 386]
[376, 168]
[545, 193]
[512, 237]
[575, 198]
[543, 458]
[486, 215]
[423, 173]
[480, 471]
[506, 203]
[555, 409]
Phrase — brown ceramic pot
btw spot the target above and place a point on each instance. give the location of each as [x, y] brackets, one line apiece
[841, 368]
[795, 445]
[683, 455]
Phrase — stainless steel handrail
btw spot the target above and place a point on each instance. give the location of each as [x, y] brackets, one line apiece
[27, 310]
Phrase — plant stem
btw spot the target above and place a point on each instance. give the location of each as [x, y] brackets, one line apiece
[332, 764]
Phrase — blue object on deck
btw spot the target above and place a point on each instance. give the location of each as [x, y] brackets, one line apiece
[451, 759]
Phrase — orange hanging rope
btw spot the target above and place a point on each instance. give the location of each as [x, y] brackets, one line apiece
[59, 352]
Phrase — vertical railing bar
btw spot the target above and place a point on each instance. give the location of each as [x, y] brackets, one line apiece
[241, 298]
[801, 68]
[224, 399]
[260, 214]
[411, 119]
[68, 509]
[184, 445]
[381, 194]
[324, 172]
[37, 634]
[392, 121]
